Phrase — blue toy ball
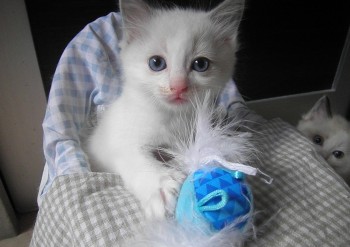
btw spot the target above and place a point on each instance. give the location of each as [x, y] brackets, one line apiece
[212, 198]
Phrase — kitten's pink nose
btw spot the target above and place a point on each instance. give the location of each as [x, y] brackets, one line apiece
[179, 89]
[179, 86]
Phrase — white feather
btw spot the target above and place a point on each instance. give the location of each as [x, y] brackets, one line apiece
[212, 135]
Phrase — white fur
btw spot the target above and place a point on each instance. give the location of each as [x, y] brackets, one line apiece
[334, 130]
[143, 118]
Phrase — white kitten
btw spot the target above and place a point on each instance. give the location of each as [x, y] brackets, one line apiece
[330, 134]
[169, 58]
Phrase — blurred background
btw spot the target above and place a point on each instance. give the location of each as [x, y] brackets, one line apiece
[292, 52]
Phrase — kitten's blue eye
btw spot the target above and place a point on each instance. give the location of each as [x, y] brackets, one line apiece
[318, 140]
[157, 63]
[338, 154]
[200, 64]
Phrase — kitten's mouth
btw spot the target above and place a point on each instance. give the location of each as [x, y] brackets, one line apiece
[178, 99]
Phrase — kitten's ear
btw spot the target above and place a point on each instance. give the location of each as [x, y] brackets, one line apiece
[321, 110]
[134, 14]
[227, 17]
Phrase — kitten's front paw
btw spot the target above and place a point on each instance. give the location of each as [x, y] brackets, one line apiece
[162, 202]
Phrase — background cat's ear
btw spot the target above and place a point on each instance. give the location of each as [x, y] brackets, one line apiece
[227, 17]
[134, 13]
[321, 110]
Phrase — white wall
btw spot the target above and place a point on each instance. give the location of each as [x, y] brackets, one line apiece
[22, 106]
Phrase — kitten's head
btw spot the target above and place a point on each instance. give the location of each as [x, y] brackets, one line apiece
[175, 55]
[330, 134]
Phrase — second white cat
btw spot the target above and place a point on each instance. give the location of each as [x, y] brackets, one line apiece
[330, 135]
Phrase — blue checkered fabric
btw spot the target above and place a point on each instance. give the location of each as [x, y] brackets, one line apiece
[87, 79]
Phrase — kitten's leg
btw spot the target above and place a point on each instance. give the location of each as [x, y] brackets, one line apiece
[153, 184]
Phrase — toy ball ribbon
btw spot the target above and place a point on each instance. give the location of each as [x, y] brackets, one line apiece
[214, 160]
